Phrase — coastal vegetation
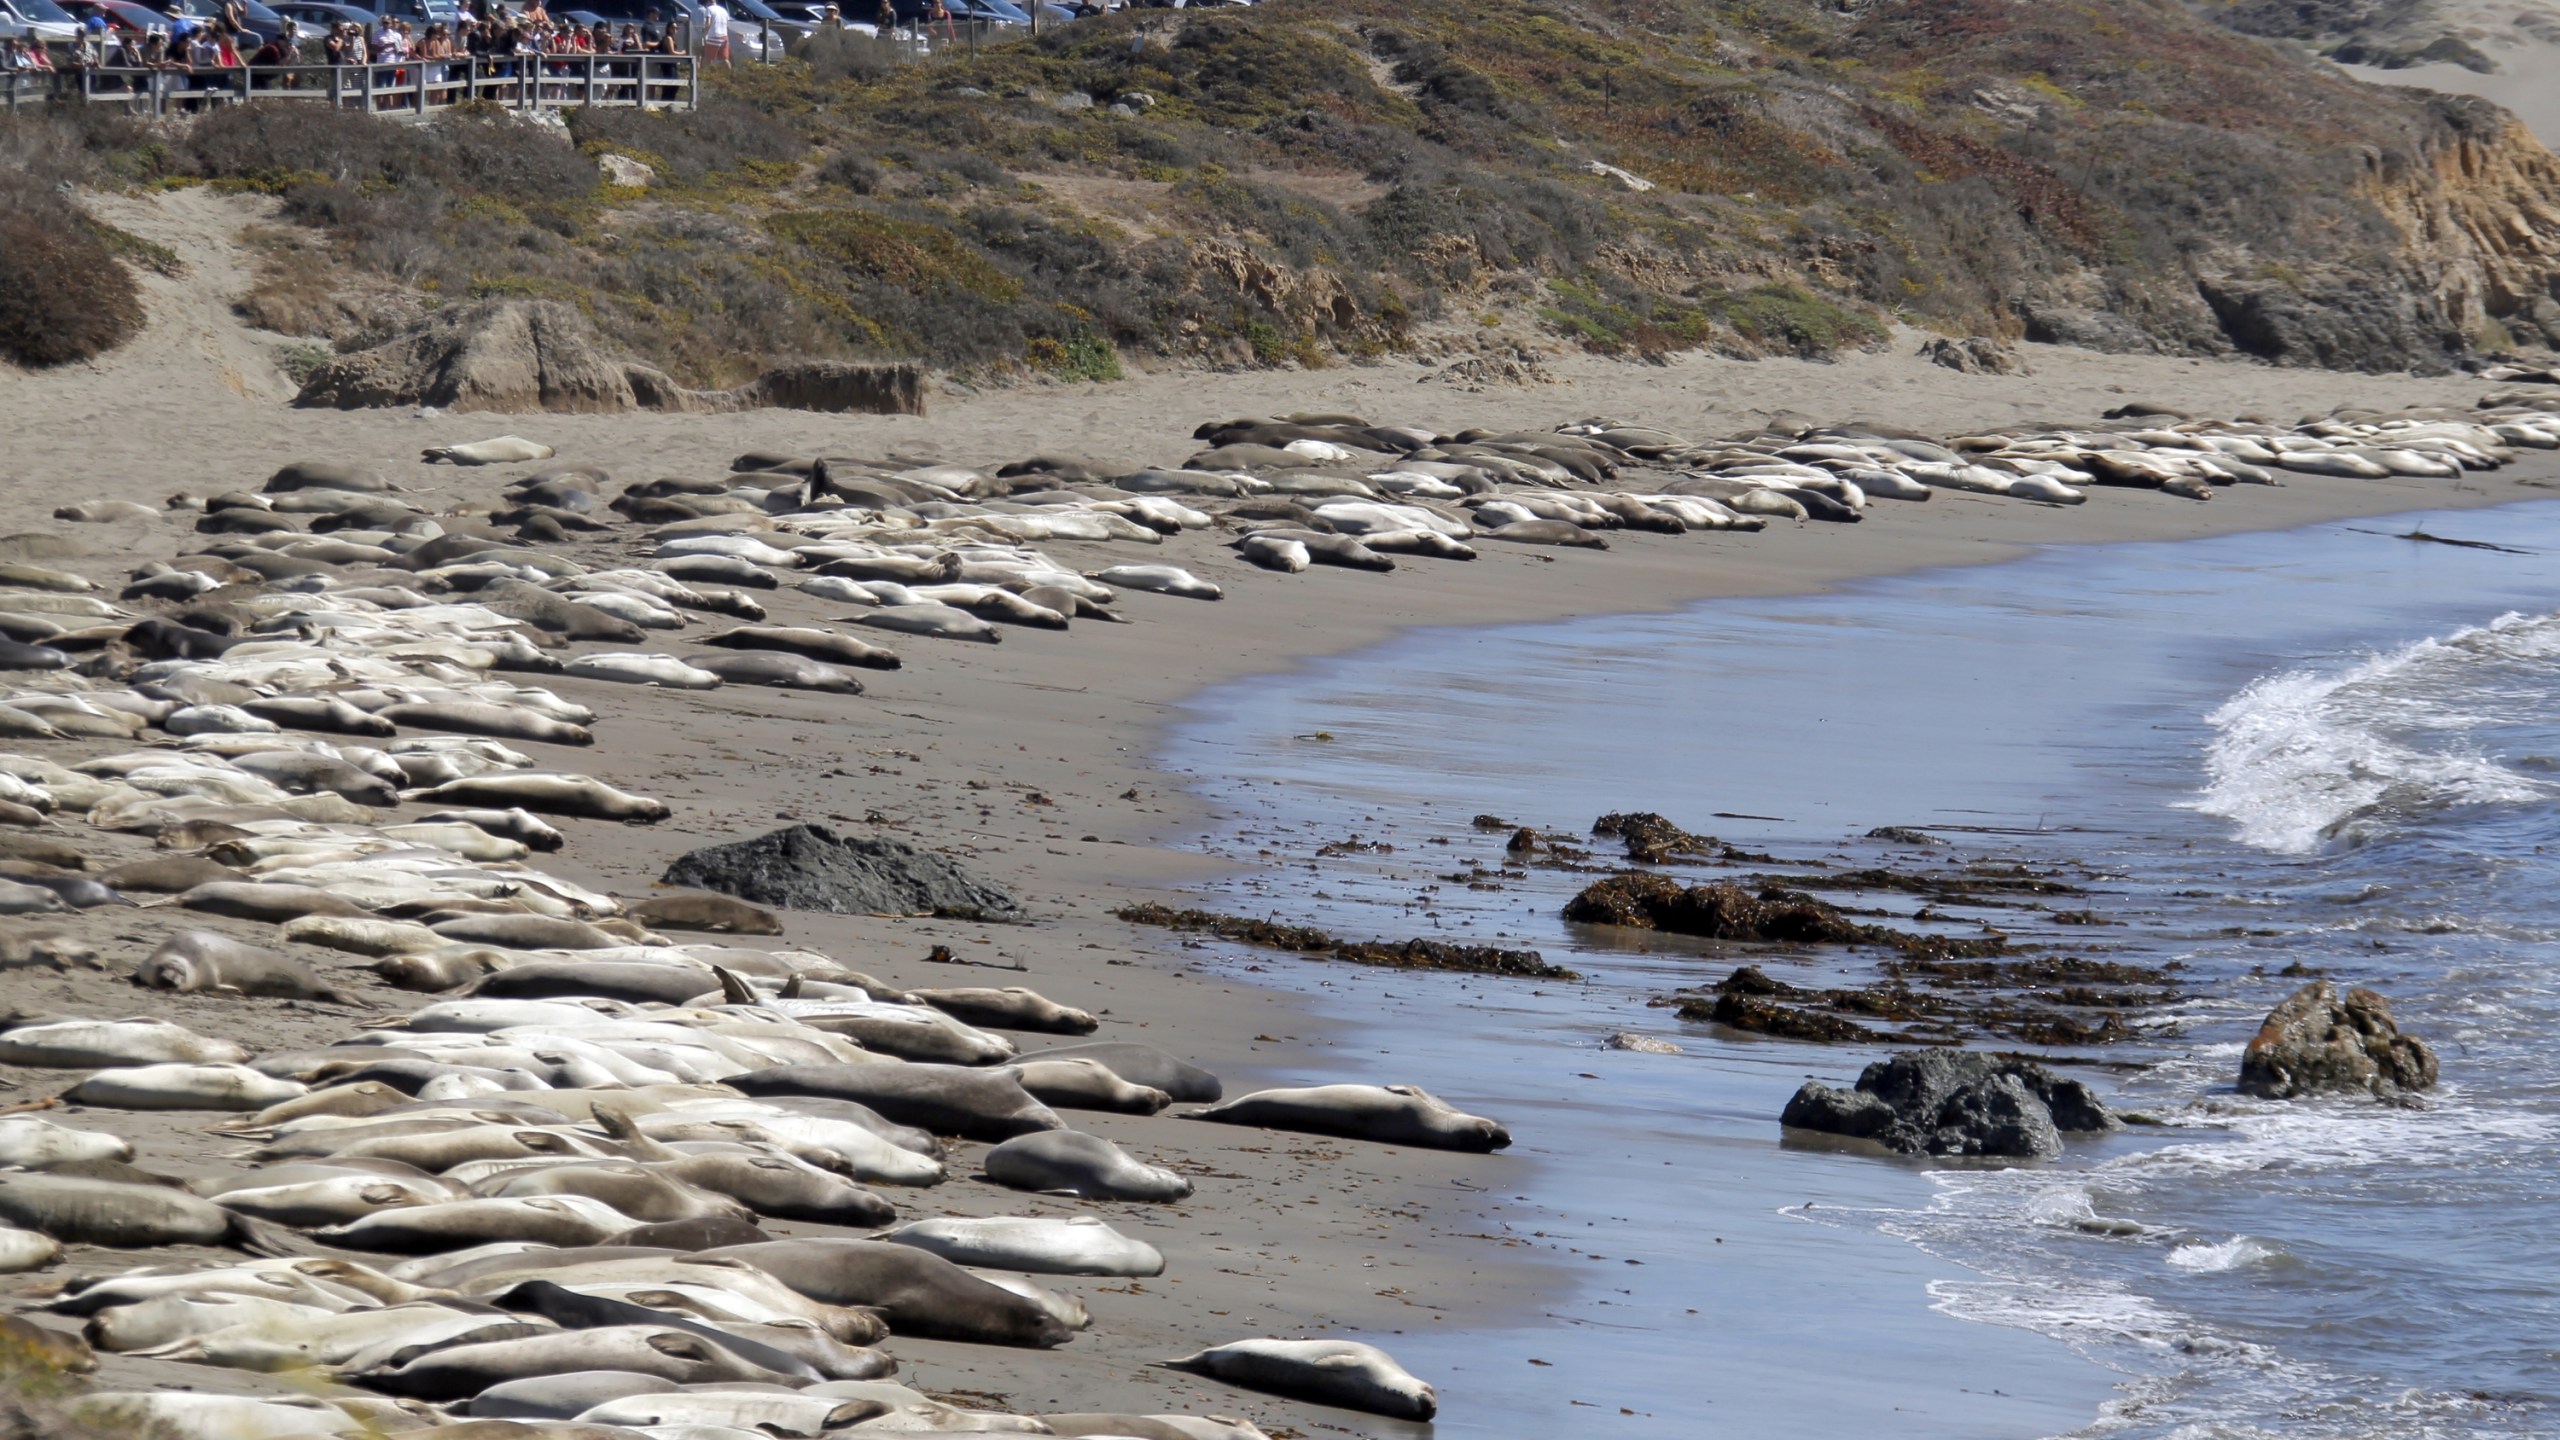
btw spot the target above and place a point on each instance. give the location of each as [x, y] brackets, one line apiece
[1322, 180]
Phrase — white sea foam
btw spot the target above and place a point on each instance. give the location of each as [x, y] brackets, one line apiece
[2302, 757]
[2197, 1257]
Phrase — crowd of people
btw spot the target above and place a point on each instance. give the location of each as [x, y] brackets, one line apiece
[203, 55]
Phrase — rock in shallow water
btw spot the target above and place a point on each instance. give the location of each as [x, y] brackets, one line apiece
[811, 867]
[2317, 1043]
[1950, 1102]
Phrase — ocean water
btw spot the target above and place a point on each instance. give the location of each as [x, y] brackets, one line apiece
[2330, 748]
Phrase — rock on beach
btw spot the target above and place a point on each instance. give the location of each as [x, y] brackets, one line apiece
[2318, 1042]
[811, 867]
[1951, 1102]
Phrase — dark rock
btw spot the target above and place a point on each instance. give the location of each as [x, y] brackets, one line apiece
[2317, 1043]
[1953, 1102]
[811, 867]
[1903, 835]
[1725, 911]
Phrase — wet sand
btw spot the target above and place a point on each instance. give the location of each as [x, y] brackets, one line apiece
[1033, 760]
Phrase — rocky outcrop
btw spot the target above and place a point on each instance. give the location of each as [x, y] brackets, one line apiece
[811, 867]
[521, 356]
[1974, 355]
[2319, 1043]
[507, 355]
[1953, 1102]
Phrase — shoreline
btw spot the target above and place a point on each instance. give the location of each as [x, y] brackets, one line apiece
[1039, 760]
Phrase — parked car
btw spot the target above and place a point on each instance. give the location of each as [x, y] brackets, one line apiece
[318, 17]
[119, 14]
[262, 22]
[41, 19]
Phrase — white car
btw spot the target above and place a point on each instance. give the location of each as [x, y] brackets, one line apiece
[42, 19]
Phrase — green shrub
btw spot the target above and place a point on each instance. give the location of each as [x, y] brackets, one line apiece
[64, 297]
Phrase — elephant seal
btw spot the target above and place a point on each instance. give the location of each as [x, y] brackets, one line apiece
[169, 874]
[1395, 1114]
[518, 825]
[17, 655]
[646, 1196]
[573, 1310]
[703, 1233]
[305, 774]
[92, 1044]
[194, 960]
[80, 1211]
[28, 1143]
[182, 1086]
[704, 911]
[1010, 1008]
[747, 1412]
[947, 622]
[20, 1251]
[613, 980]
[550, 793]
[1160, 580]
[483, 717]
[1142, 1065]
[1074, 1163]
[916, 1292]
[503, 450]
[946, 1099]
[777, 670]
[462, 1371]
[562, 1397]
[782, 1187]
[273, 904]
[1086, 1085]
[568, 1220]
[1273, 552]
[1546, 532]
[1343, 1373]
[23, 899]
[525, 932]
[1154, 1427]
[1036, 1245]
[813, 644]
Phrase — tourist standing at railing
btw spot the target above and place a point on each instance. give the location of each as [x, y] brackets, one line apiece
[715, 32]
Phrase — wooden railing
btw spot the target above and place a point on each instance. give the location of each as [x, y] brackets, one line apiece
[411, 88]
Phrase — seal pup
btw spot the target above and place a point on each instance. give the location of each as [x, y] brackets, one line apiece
[1344, 1373]
[1073, 1163]
[1395, 1114]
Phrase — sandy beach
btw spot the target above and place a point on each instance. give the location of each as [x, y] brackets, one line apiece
[1033, 759]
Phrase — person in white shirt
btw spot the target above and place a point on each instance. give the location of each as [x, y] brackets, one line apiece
[715, 32]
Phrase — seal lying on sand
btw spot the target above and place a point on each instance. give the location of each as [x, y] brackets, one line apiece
[1396, 1114]
[1330, 1372]
[1074, 1163]
[919, 1293]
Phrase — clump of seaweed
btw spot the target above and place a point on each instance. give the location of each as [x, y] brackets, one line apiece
[1316, 944]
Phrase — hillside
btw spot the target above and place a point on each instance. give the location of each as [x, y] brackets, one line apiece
[1317, 179]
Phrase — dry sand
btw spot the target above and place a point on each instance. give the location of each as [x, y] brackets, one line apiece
[1031, 759]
